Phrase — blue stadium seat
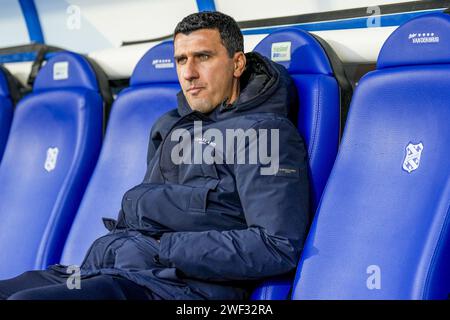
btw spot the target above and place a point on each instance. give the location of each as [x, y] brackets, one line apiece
[321, 83]
[382, 230]
[52, 148]
[6, 109]
[122, 165]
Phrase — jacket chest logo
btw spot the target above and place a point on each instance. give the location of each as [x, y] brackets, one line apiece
[203, 140]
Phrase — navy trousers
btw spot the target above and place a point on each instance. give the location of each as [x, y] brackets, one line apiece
[49, 285]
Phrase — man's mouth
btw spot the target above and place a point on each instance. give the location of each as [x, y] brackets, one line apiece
[194, 90]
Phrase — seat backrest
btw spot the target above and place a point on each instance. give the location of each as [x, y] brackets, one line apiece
[318, 116]
[6, 109]
[122, 165]
[52, 148]
[319, 92]
[382, 229]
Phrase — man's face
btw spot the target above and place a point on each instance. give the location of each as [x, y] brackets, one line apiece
[205, 71]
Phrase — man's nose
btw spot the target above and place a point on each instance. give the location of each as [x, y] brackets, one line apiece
[190, 71]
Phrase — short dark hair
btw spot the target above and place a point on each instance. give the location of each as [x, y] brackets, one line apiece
[228, 28]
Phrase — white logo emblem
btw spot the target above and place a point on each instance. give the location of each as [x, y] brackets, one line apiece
[424, 37]
[281, 51]
[61, 70]
[162, 63]
[412, 158]
[205, 141]
[50, 161]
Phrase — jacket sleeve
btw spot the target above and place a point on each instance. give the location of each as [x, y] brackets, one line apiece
[276, 208]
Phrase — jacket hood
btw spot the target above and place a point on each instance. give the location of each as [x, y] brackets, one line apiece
[265, 87]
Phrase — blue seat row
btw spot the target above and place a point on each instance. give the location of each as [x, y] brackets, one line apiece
[314, 72]
[122, 162]
[53, 144]
[6, 107]
[378, 194]
[382, 230]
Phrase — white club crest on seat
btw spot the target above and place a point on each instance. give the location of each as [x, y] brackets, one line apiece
[412, 157]
[52, 157]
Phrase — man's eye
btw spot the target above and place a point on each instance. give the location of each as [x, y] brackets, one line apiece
[204, 57]
[181, 60]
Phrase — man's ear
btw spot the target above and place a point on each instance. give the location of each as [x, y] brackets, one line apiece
[239, 64]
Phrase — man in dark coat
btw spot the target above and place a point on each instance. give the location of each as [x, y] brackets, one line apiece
[225, 200]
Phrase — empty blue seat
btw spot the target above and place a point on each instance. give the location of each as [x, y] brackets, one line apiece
[6, 109]
[382, 229]
[122, 162]
[53, 145]
[321, 83]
